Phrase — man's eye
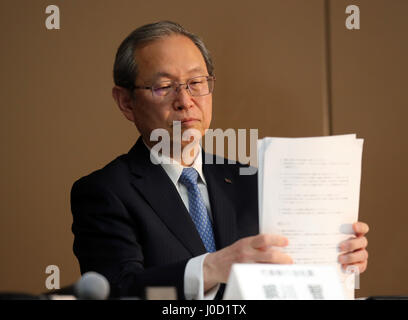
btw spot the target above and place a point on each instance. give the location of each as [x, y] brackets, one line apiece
[163, 87]
[195, 83]
[162, 90]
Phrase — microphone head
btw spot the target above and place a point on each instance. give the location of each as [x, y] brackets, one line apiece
[92, 286]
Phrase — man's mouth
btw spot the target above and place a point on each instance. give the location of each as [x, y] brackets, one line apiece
[188, 120]
[184, 122]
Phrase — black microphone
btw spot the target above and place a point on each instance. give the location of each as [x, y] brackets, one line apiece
[91, 286]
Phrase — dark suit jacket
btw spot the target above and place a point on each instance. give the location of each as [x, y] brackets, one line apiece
[131, 225]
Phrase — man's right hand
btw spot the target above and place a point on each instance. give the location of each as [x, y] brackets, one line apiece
[256, 249]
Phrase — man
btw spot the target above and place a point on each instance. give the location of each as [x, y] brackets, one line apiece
[180, 224]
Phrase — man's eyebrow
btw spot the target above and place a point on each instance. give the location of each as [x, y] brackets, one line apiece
[168, 75]
[198, 68]
[162, 74]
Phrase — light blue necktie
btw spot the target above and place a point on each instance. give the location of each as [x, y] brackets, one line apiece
[198, 211]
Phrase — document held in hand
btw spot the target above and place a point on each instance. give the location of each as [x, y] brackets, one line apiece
[309, 190]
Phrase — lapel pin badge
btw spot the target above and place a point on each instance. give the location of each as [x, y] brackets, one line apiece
[227, 180]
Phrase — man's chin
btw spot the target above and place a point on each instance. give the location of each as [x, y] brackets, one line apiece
[188, 136]
[183, 135]
[192, 133]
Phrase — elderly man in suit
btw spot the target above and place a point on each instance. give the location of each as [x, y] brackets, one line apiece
[179, 223]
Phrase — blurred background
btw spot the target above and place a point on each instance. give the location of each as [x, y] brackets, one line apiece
[289, 68]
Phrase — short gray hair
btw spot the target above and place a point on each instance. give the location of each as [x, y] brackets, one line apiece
[125, 69]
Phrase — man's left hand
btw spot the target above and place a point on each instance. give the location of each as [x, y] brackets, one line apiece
[355, 253]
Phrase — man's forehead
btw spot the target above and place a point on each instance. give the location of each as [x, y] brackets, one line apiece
[170, 57]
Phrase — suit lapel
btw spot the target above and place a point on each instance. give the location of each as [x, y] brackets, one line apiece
[158, 190]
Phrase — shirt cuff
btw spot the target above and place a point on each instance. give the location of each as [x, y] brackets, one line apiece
[194, 280]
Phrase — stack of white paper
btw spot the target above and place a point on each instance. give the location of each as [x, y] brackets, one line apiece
[309, 190]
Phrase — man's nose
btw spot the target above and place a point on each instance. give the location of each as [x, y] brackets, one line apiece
[182, 97]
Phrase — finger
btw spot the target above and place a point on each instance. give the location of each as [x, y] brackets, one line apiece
[362, 266]
[360, 228]
[354, 244]
[273, 256]
[267, 240]
[354, 257]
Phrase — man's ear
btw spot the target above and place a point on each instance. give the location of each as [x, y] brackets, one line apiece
[124, 100]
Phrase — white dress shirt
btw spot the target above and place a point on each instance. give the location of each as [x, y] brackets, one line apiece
[193, 274]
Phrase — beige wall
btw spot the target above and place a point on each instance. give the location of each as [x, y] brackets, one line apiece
[59, 122]
[369, 80]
